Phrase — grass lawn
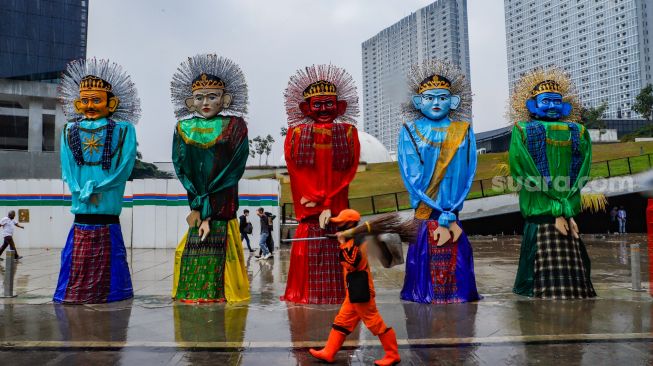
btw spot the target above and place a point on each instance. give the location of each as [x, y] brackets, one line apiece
[384, 179]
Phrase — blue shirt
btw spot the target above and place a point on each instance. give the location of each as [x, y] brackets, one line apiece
[457, 181]
[89, 179]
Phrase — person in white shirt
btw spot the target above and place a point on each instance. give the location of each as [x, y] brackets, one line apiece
[7, 229]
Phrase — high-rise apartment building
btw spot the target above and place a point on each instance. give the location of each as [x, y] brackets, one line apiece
[605, 45]
[437, 30]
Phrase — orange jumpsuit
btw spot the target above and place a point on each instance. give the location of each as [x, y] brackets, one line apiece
[353, 257]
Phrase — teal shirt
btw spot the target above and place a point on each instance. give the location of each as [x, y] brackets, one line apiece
[89, 179]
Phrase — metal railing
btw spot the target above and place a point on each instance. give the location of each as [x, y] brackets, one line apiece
[481, 188]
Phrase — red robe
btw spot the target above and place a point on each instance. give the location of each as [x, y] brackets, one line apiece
[315, 273]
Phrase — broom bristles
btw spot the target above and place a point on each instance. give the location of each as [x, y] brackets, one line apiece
[390, 223]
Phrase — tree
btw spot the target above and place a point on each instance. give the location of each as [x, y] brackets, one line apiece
[252, 150]
[644, 103]
[593, 117]
[259, 147]
[284, 131]
[268, 147]
[144, 170]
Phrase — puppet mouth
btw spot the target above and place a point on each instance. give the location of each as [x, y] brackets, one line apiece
[205, 110]
[437, 109]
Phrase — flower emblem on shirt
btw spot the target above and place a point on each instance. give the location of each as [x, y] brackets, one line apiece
[92, 144]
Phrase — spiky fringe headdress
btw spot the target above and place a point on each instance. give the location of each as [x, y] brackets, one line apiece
[225, 69]
[129, 108]
[459, 86]
[523, 88]
[345, 88]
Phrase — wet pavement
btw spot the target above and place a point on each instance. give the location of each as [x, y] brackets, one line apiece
[503, 328]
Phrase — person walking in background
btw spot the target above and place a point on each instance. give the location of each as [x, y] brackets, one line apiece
[621, 217]
[614, 225]
[265, 233]
[270, 241]
[7, 224]
[246, 229]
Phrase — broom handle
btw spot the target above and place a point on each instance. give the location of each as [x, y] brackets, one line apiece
[328, 236]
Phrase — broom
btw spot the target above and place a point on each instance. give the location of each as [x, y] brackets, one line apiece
[390, 223]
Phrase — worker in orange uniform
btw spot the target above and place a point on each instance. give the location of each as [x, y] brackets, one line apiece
[359, 302]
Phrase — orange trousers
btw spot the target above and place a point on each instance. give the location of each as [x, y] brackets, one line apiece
[350, 314]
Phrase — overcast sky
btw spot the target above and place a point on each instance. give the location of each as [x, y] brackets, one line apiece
[270, 40]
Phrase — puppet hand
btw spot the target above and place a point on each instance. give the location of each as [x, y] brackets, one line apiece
[562, 226]
[324, 218]
[342, 238]
[204, 229]
[574, 228]
[456, 230]
[193, 218]
[441, 235]
[306, 203]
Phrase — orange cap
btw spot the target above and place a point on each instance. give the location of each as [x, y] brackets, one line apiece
[346, 215]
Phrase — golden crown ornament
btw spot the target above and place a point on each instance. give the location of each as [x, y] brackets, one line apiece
[320, 88]
[206, 82]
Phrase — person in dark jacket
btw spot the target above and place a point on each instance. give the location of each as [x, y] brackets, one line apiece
[265, 233]
[245, 229]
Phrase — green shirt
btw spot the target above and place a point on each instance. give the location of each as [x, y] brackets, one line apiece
[561, 198]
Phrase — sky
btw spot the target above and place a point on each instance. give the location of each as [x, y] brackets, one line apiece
[270, 40]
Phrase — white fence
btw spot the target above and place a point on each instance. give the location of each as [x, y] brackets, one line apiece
[153, 215]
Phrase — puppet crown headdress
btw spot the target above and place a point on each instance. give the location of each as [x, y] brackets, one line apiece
[538, 81]
[320, 88]
[546, 86]
[221, 73]
[434, 82]
[205, 81]
[320, 80]
[99, 75]
[94, 83]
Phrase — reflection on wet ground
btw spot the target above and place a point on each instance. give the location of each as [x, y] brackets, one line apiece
[503, 328]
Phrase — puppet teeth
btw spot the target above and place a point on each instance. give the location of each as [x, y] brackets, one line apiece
[346, 89]
[129, 108]
[460, 86]
[222, 67]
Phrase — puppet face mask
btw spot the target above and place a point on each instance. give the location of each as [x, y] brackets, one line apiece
[94, 104]
[436, 104]
[208, 102]
[548, 106]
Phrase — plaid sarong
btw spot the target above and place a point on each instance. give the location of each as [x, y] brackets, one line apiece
[90, 272]
[343, 153]
[325, 274]
[576, 156]
[536, 138]
[443, 268]
[305, 151]
[560, 272]
[201, 276]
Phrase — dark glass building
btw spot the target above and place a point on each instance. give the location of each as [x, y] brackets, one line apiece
[39, 37]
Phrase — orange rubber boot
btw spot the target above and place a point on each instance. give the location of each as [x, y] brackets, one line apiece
[328, 353]
[389, 343]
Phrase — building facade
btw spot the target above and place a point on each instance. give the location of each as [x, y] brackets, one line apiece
[603, 44]
[37, 39]
[437, 30]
